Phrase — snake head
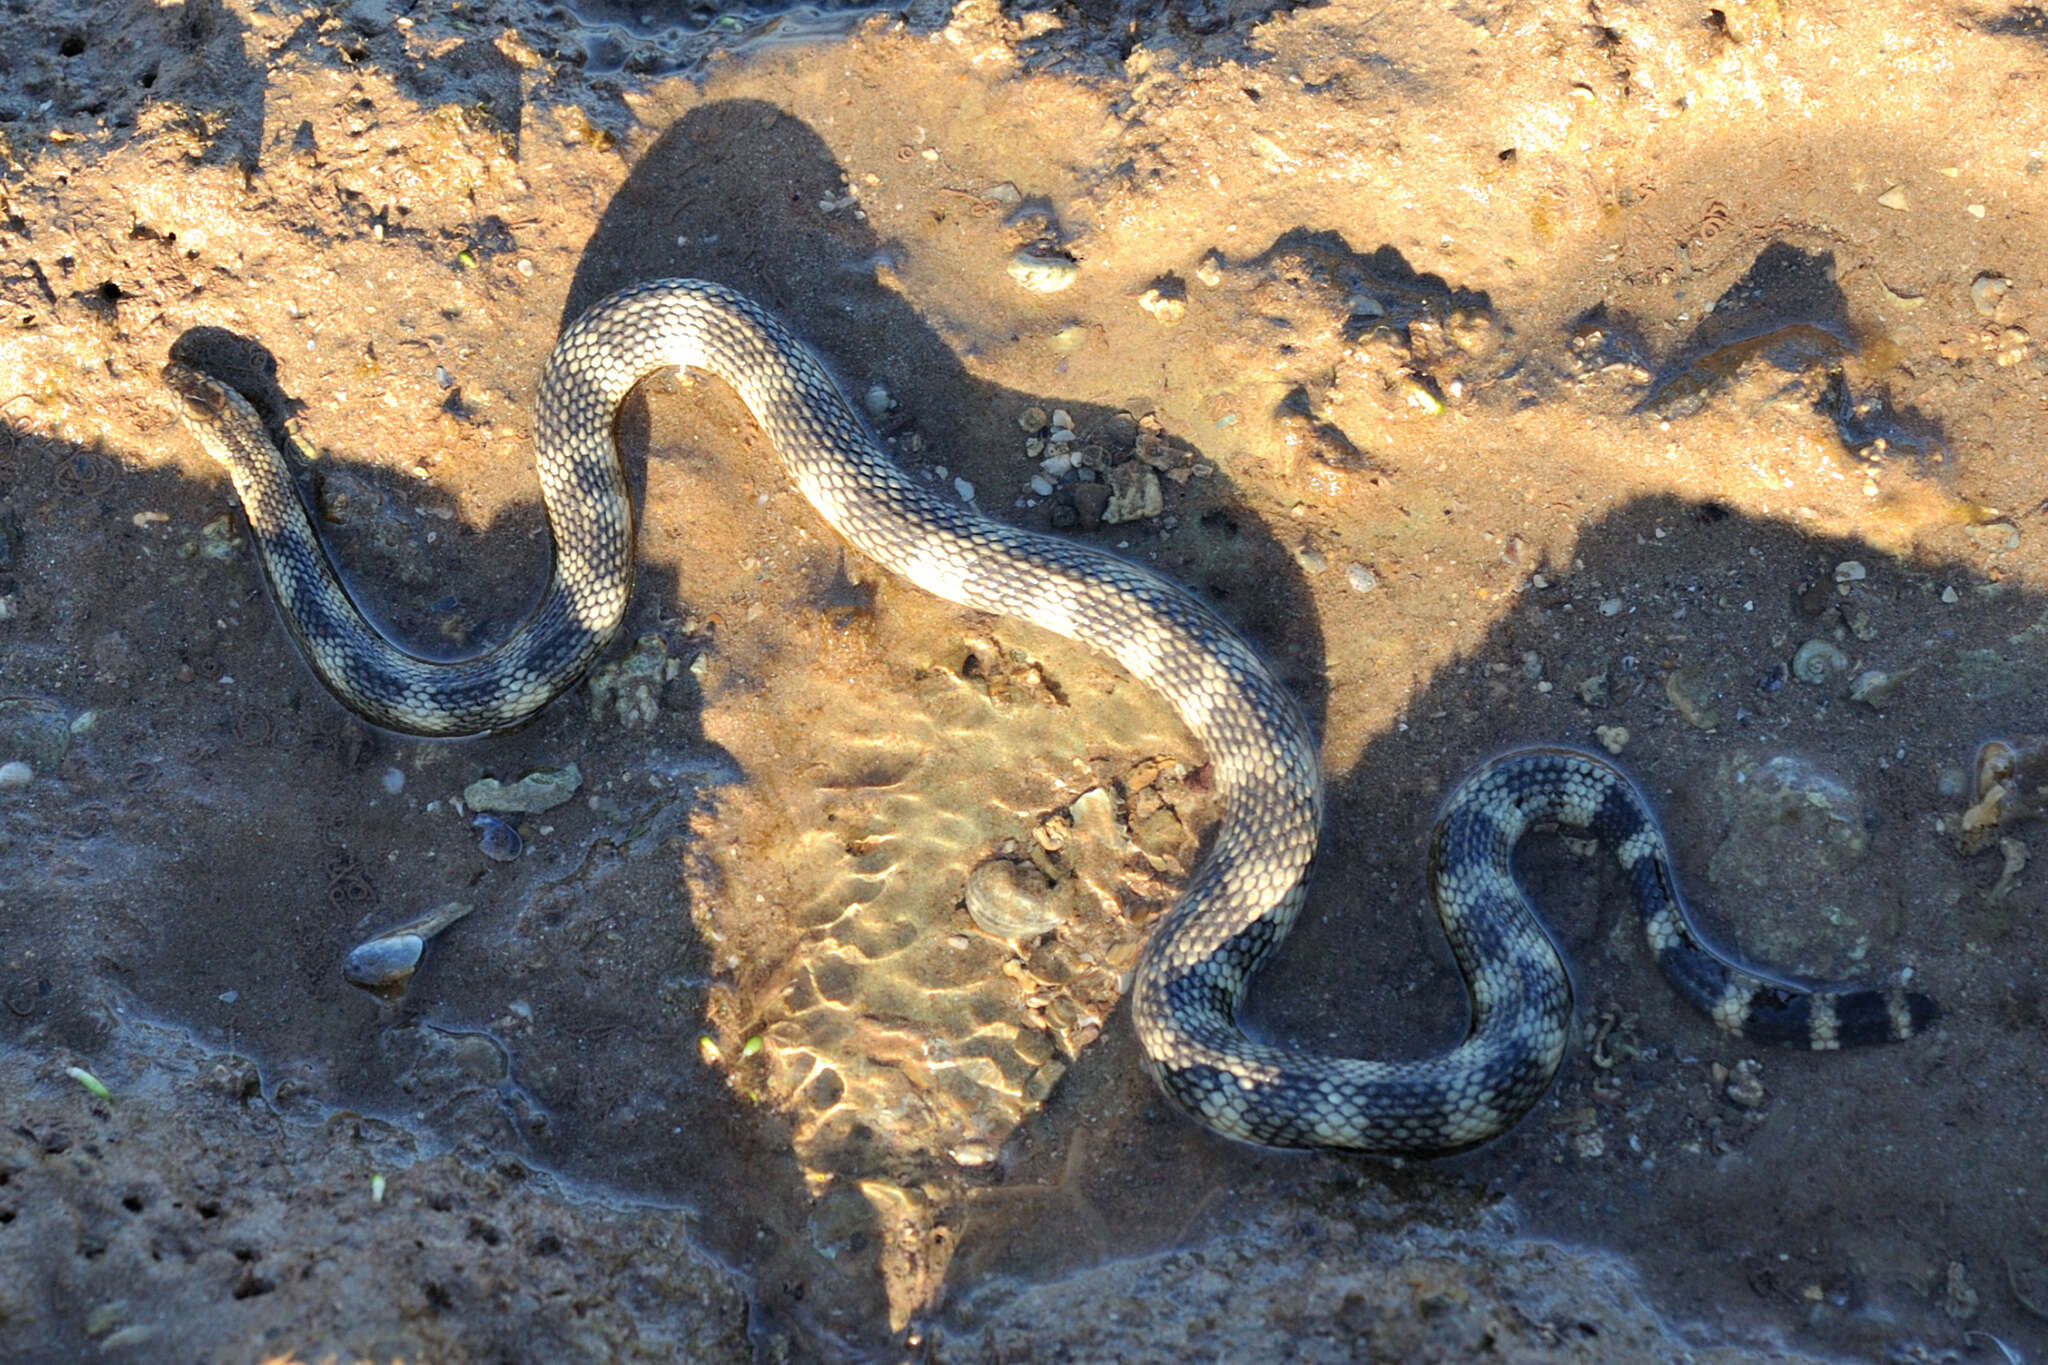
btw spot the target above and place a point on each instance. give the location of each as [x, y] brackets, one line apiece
[200, 398]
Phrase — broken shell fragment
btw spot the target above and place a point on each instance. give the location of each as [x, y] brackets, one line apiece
[385, 964]
[1013, 900]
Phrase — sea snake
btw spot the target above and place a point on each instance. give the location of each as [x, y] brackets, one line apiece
[1243, 895]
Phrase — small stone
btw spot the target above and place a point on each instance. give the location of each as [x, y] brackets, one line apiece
[1612, 606]
[1987, 292]
[1091, 500]
[1210, 271]
[35, 730]
[530, 795]
[1613, 738]
[1069, 338]
[1695, 694]
[1042, 273]
[1164, 307]
[1360, 578]
[1948, 596]
[1311, 559]
[1041, 485]
[1419, 396]
[15, 774]
[1958, 1300]
[1895, 199]
[393, 781]
[499, 841]
[1745, 1085]
[1061, 420]
[217, 539]
[631, 687]
[1134, 494]
[1875, 687]
[1994, 538]
[964, 489]
[879, 403]
[1031, 421]
[1850, 571]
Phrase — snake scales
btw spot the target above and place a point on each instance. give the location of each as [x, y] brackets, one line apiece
[1245, 893]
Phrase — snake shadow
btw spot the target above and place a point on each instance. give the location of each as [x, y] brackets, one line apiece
[733, 192]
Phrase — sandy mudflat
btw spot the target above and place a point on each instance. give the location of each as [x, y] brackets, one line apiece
[1652, 375]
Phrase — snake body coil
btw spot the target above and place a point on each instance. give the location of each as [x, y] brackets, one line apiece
[1243, 896]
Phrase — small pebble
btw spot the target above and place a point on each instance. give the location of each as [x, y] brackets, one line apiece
[394, 781]
[1164, 307]
[1850, 571]
[1360, 578]
[1994, 538]
[1987, 292]
[1895, 199]
[1210, 271]
[1031, 421]
[1744, 1086]
[1612, 606]
[1613, 738]
[879, 403]
[1042, 274]
[1875, 687]
[964, 489]
[15, 774]
[530, 795]
[1041, 485]
[499, 842]
[1311, 559]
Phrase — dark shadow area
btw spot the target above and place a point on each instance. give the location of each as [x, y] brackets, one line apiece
[1786, 314]
[207, 834]
[181, 63]
[2021, 21]
[1639, 1148]
[1115, 20]
[1379, 285]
